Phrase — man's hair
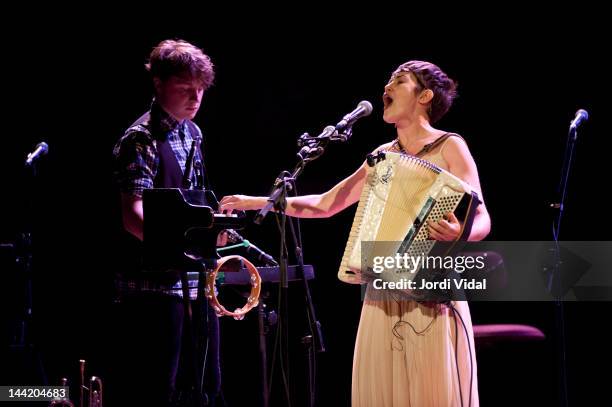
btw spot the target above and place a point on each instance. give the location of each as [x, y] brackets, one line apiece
[182, 59]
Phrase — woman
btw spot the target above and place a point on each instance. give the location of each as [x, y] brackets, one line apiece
[408, 353]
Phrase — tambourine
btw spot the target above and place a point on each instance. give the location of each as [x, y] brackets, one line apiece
[253, 299]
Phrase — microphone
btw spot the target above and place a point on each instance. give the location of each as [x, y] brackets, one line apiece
[195, 145]
[261, 255]
[581, 115]
[41, 149]
[364, 108]
[251, 248]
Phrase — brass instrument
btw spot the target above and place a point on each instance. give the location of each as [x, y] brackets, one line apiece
[64, 402]
[94, 391]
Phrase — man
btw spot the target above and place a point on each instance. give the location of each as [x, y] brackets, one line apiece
[153, 153]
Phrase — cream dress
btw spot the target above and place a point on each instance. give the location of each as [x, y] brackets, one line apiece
[405, 351]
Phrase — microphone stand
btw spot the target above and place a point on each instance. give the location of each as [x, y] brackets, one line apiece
[555, 280]
[22, 338]
[196, 328]
[311, 149]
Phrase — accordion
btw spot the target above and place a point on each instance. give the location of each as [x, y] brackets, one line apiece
[401, 194]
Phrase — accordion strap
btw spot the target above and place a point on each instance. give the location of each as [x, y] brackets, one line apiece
[428, 147]
[437, 142]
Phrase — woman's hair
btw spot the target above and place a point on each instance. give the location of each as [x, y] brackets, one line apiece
[430, 76]
[180, 58]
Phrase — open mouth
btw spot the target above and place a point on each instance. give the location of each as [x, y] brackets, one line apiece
[387, 100]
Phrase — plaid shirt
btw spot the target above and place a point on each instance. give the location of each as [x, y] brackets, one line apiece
[127, 286]
[136, 157]
[136, 162]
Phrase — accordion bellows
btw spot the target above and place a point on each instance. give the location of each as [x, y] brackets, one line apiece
[401, 194]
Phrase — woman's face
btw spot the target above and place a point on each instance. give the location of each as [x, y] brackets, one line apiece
[401, 97]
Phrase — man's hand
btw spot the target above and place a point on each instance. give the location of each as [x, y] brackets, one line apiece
[222, 238]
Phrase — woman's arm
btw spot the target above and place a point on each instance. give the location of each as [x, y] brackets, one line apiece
[462, 165]
[344, 194]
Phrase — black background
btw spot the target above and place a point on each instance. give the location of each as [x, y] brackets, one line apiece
[78, 82]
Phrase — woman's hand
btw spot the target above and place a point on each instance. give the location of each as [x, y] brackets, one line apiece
[231, 203]
[447, 229]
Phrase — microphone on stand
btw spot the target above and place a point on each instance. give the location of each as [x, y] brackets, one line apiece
[342, 130]
[581, 115]
[251, 248]
[189, 164]
[41, 149]
[364, 108]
